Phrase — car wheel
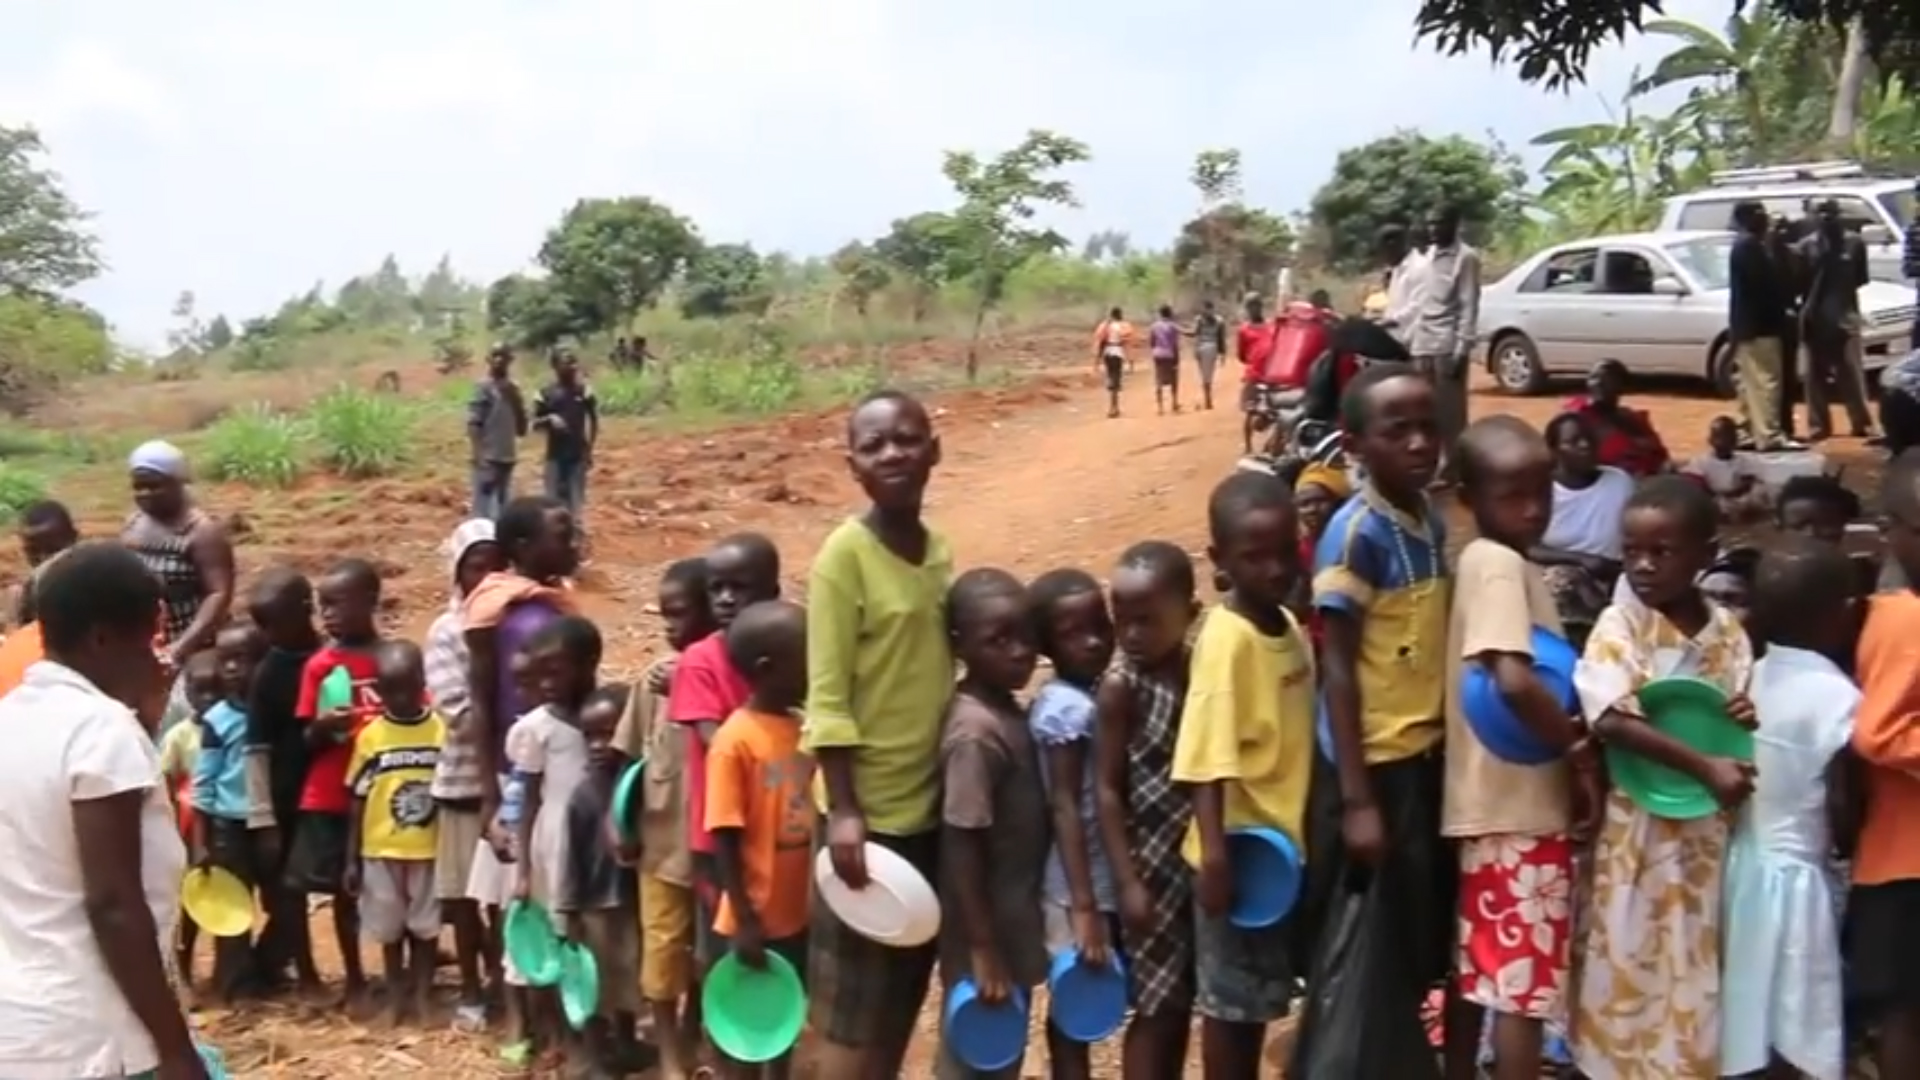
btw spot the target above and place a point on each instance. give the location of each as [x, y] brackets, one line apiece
[1516, 365]
[1722, 372]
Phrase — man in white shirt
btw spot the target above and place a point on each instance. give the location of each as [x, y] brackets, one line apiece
[1446, 322]
[1404, 253]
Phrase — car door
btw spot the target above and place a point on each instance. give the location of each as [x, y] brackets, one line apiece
[1651, 332]
[1552, 308]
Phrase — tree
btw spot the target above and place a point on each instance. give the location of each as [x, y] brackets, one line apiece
[922, 248]
[1406, 178]
[1229, 249]
[863, 273]
[993, 233]
[219, 333]
[1727, 64]
[1552, 40]
[187, 335]
[1107, 245]
[441, 295]
[382, 298]
[726, 279]
[45, 245]
[612, 258]
[534, 313]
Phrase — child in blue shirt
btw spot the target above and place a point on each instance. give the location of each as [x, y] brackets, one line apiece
[221, 801]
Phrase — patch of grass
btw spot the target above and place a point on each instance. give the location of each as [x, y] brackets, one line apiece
[19, 489]
[630, 393]
[360, 434]
[254, 445]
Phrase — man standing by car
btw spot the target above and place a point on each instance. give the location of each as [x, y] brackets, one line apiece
[1404, 256]
[1445, 322]
[1910, 261]
[1836, 265]
[496, 420]
[1757, 315]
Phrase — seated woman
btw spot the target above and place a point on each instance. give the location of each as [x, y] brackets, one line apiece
[1581, 552]
[1624, 438]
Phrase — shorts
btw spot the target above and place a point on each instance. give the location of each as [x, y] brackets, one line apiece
[1882, 950]
[865, 993]
[1242, 976]
[1059, 928]
[666, 924]
[1516, 923]
[397, 900]
[1116, 366]
[460, 834]
[613, 937]
[317, 857]
[1249, 397]
[1166, 372]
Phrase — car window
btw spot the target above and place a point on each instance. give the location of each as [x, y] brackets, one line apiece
[1707, 214]
[1706, 260]
[1569, 271]
[1625, 272]
[1900, 205]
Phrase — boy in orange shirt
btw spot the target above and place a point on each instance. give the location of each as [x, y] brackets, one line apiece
[1883, 950]
[759, 806]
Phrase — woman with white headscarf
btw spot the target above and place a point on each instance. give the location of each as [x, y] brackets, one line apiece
[187, 550]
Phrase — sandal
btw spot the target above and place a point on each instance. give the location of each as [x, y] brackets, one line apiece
[470, 1019]
[516, 1058]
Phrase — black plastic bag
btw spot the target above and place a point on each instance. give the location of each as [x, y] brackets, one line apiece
[1358, 1023]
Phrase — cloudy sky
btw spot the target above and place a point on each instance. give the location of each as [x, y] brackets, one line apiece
[245, 150]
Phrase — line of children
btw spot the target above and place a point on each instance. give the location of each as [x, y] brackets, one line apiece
[1094, 815]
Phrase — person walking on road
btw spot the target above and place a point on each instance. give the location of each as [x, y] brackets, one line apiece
[496, 420]
[1163, 340]
[1209, 335]
[570, 415]
[1446, 317]
[1836, 262]
[1757, 316]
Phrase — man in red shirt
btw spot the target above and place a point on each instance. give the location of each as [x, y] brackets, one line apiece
[1253, 345]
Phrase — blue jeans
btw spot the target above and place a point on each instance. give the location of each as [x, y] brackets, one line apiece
[567, 484]
[492, 488]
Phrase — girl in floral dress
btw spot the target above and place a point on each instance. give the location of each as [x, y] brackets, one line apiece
[1647, 984]
[1143, 816]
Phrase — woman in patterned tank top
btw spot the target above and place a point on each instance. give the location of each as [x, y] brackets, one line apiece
[184, 548]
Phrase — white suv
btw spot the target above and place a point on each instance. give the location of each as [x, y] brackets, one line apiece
[1878, 207]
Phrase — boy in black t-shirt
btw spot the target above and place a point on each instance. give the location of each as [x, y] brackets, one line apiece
[281, 605]
[570, 415]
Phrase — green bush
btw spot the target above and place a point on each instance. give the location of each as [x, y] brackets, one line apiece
[630, 393]
[254, 445]
[19, 489]
[360, 434]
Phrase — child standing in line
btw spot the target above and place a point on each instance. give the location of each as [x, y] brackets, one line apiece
[758, 804]
[741, 570]
[549, 752]
[220, 801]
[993, 848]
[1245, 753]
[880, 671]
[1143, 814]
[666, 870]
[1884, 905]
[1784, 993]
[281, 605]
[179, 760]
[1320, 490]
[1514, 824]
[1071, 627]
[601, 899]
[1648, 998]
[459, 779]
[1382, 590]
[349, 599]
[393, 832]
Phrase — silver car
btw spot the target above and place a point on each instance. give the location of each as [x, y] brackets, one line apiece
[1656, 302]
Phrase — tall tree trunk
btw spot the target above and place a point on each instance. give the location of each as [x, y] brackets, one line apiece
[1849, 88]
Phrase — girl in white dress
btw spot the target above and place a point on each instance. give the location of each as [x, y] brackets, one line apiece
[1782, 981]
[548, 748]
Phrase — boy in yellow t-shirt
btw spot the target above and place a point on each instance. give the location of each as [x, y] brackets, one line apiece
[391, 831]
[1246, 753]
